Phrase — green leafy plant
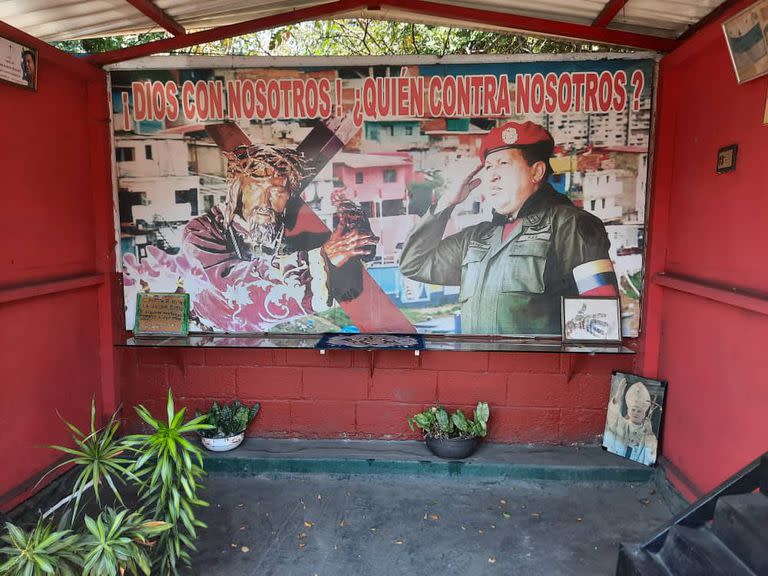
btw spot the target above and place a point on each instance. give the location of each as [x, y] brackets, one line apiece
[170, 468]
[228, 419]
[436, 422]
[40, 551]
[118, 542]
[163, 465]
[101, 456]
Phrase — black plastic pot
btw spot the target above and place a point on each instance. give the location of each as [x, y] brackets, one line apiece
[452, 448]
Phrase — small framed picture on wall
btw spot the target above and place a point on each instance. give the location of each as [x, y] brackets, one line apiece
[726, 158]
[591, 320]
[18, 64]
[745, 34]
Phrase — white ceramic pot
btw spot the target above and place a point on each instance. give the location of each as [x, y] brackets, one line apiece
[223, 444]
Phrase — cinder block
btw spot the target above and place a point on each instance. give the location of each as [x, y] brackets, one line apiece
[601, 363]
[208, 382]
[335, 384]
[404, 385]
[589, 391]
[269, 382]
[192, 356]
[581, 425]
[386, 419]
[395, 359]
[148, 382]
[457, 361]
[273, 420]
[331, 358]
[323, 419]
[523, 362]
[466, 388]
[542, 390]
[520, 425]
[158, 356]
[242, 356]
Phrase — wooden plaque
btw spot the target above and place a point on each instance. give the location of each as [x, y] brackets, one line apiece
[162, 314]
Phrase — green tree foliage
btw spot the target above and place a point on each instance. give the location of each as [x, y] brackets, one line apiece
[356, 37]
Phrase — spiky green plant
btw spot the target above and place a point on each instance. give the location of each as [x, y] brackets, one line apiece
[228, 419]
[101, 457]
[41, 551]
[118, 542]
[170, 468]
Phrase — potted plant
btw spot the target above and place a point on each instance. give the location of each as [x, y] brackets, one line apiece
[452, 436]
[228, 423]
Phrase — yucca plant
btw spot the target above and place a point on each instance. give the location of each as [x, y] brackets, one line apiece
[118, 542]
[170, 468]
[101, 457]
[41, 551]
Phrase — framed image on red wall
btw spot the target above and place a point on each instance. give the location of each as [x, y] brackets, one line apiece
[18, 64]
[745, 34]
[591, 320]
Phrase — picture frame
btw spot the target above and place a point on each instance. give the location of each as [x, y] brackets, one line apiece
[591, 320]
[162, 314]
[634, 416]
[18, 64]
[726, 159]
[745, 35]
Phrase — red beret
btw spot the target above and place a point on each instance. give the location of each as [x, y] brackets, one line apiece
[515, 135]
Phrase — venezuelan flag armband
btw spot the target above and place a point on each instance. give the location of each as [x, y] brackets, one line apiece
[596, 278]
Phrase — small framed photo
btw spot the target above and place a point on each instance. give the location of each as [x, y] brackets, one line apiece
[18, 64]
[633, 419]
[591, 320]
[745, 34]
[726, 158]
[162, 314]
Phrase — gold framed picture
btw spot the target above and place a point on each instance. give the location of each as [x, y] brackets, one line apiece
[745, 34]
[162, 314]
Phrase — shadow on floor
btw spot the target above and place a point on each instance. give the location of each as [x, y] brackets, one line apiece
[318, 524]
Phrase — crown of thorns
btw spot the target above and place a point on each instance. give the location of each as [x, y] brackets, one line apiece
[265, 161]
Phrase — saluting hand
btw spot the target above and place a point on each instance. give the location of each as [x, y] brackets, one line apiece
[469, 184]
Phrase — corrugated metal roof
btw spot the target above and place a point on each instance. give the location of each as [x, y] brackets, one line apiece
[52, 20]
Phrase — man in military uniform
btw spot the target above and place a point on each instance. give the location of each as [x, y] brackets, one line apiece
[539, 247]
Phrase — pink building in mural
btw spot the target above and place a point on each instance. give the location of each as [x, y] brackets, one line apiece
[379, 184]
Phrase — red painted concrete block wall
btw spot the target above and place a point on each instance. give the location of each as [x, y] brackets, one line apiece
[534, 397]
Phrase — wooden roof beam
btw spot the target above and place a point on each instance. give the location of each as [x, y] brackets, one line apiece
[158, 15]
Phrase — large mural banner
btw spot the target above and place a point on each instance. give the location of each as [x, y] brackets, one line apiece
[453, 198]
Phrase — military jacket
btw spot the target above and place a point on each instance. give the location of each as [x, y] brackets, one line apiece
[513, 285]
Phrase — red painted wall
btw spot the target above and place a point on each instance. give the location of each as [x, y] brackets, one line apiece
[534, 397]
[713, 229]
[55, 218]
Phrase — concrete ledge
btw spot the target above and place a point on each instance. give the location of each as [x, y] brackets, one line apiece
[491, 461]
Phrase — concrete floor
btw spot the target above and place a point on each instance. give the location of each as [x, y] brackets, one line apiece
[322, 524]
